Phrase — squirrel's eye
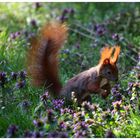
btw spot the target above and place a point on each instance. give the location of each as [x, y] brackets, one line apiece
[109, 72]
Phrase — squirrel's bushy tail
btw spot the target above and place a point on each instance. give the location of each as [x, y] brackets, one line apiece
[43, 56]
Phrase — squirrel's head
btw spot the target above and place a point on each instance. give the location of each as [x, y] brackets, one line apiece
[109, 57]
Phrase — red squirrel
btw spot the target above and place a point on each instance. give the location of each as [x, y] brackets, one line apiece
[43, 66]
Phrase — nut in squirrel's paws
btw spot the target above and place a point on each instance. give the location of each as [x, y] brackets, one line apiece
[104, 94]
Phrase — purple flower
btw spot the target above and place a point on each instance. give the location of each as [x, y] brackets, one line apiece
[38, 123]
[83, 125]
[80, 129]
[66, 51]
[51, 117]
[129, 92]
[115, 37]
[66, 13]
[12, 130]
[20, 84]
[62, 125]
[45, 96]
[3, 78]
[66, 110]
[115, 91]
[14, 75]
[28, 134]
[37, 5]
[22, 74]
[58, 103]
[100, 29]
[80, 134]
[80, 125]
[15, 35]
[117, 104]
[12, 36]
[118, 97]
[117, 86]
[130, 84]
[63, 18]
[37, 134]
[109, 134]
[33, 23]
[56, 134]
[137, 67]
[89, 107]
[25, 104]
[71, 11]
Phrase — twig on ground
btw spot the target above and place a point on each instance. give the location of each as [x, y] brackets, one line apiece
[82, 27]
[82, 34]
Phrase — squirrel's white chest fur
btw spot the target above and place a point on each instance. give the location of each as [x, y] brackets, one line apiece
[103, 82]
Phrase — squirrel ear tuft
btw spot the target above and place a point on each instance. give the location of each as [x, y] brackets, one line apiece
[106, 61]
[106, 54]
[116, 54]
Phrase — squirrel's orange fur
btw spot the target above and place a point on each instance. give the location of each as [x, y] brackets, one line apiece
[43, 66]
